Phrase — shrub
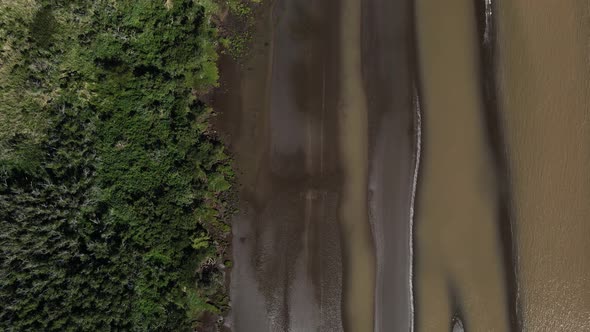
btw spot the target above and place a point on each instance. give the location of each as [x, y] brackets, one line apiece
[104, 210]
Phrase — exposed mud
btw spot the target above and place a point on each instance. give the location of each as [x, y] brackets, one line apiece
[388, 77]
[323, 120]
[320, 119]
[280, 117]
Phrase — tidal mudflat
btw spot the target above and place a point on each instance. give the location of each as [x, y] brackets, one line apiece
[410, 166]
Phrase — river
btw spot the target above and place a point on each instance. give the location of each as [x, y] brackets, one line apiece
[544, 78]
[410, 166]
[459, 271]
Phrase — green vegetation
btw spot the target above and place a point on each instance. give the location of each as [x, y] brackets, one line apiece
[111, 186]
[239, 33]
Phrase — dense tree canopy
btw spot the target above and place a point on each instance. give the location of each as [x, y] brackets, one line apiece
[110, 184]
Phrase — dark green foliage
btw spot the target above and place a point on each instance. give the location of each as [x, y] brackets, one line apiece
[43, 27]
[109, 218]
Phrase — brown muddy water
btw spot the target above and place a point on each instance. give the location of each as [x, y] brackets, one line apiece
[411, 165]
[359, 286]
[459, 271]
[544, 76]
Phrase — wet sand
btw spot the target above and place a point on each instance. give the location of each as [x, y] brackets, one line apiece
[459, 271]
[544, 83]
[388, 77]
[325, 118]
[283, 130]
[319, 119]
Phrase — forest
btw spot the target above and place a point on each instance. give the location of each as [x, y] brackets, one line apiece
[114, 191]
